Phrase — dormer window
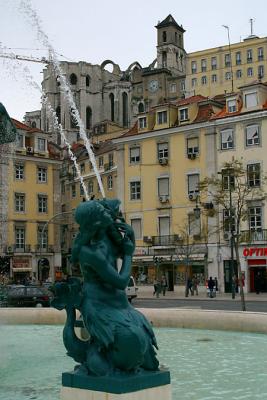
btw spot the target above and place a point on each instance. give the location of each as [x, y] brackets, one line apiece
[231, 105]
[251, 100]
[142, 123]
[162, 117]
[183, 113]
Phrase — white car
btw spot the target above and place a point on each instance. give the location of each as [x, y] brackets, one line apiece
[131, 289]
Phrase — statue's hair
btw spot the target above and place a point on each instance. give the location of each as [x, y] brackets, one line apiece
[90, 212]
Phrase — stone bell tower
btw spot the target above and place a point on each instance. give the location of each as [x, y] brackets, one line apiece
[170, 46]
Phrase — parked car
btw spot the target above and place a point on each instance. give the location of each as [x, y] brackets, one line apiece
[28, 296]
[131, 289]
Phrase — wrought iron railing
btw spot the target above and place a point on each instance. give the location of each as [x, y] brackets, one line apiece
[258, 235]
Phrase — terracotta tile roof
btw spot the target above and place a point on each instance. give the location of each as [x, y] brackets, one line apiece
[24, 127]
[224, 113]
[190, 100]
[205, 113]
[133, 131]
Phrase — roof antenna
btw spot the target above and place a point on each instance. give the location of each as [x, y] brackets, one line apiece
[251, 26]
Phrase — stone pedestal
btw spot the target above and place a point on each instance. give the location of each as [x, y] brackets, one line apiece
[145, 386]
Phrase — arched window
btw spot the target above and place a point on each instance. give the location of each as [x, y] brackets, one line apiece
[73, 79]
[125, 109]
[164, 36]
[33, 124]
[87, 80]
[58, 113]
[111, 98]
[88, 118]
[73, 123]
[141, 107]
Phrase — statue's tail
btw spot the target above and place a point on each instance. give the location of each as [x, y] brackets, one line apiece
[76, 348]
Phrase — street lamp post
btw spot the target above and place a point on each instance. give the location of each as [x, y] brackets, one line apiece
[232, 274]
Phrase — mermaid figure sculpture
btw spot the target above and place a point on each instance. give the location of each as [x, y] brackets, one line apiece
[121, 339]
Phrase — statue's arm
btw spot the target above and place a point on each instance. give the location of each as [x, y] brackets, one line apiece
[98, 261]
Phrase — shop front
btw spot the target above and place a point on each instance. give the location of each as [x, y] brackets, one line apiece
[256, 266]
[21, 269]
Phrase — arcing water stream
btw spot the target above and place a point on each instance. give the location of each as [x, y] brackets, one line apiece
[28, 11]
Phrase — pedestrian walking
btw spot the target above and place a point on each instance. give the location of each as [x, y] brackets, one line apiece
[188, 287]
[164, 284]
[195, 284]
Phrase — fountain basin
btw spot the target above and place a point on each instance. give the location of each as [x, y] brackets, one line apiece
[173, 318]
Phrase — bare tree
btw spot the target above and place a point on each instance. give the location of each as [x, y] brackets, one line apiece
[231, 193]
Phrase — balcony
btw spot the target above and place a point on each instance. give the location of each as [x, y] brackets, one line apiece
[166, 240]
[44, 249]
[258, 235]
[13, 248]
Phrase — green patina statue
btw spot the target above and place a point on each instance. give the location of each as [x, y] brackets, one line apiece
[121, 339]
[7, 129]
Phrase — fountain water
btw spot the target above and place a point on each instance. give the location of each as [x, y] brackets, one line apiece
[26, 8]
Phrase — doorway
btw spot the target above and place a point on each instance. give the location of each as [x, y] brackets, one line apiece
[263, 278]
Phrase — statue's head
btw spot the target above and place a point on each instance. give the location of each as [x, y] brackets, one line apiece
[91, 215]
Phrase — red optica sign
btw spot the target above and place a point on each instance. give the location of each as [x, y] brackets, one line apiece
[255, 251]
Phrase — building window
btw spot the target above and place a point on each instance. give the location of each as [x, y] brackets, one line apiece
[260, 71]
[231, 106]
[135, 190]
[110, 182]
[255, 218]
[58, 114]
[227, 60]
[204, 80]
[112, 106]
[164, 36]
[203, 65]
[227, 76]
[260, 54]
[183, 113]
[162, 117]
[73, 79]
[136, 224]
[19, 202]
[163, 187]
[134, 155]
[87, 80]
[20, 140]
[192, 146]
[88, 118]
[164, 59]
[213, 63]
[194, 225]
[228, 180]
[163, 150]
[142, 123]
[229, 220]
[42, 203]
[251, 100]
[82, 167]
[194, 67]
[227, 141]
[42, 236]
[194, 82]
[110, 160]
[73, 190]
[19, 171]
[19, 237]
[164, 227]
[192, 184]
[100, 161]
[254, 175]
[91, 187]
[249, 56]
[173, 88]
[141, 107]
[74, 172]
[252, 135]
[239, 73]
[81, 190]
[238, 58]
[41, 175]
[182, 85]
[41, 144]
[250, 72]
[213, 78]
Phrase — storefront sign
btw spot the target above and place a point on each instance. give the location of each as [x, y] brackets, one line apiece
[21, 262]
[141, 251]
[255, 252]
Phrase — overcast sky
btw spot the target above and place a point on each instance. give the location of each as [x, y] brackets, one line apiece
[120, 30]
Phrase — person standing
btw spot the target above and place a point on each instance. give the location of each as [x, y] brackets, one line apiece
[211, 285]
[189, 287]
[195, 284]
[164, 284]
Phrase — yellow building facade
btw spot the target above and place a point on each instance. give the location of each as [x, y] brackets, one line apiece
[31, 243]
